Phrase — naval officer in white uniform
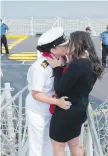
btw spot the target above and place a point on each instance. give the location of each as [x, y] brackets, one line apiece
[40, 85]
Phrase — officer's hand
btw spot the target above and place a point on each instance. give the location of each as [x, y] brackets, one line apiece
[62, 103]
[55, 62]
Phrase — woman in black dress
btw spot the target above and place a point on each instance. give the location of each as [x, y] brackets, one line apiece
[76, 83]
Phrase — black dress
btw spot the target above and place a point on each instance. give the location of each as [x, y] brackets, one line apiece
[76, 83]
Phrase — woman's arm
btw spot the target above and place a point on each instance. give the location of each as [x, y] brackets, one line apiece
[63, 84]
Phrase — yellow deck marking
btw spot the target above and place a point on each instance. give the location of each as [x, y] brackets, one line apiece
[17, 36]
[16, 42]
[23, 56]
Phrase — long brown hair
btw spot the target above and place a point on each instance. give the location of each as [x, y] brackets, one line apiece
[82, 41]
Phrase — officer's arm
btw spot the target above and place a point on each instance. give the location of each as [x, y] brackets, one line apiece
[38, 80]
[44, 98]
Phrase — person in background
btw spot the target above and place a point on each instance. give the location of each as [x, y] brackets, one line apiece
[1, 74]
[88, 30]
[41, 92]
[76, 83]
[104, 46]
[3, 30]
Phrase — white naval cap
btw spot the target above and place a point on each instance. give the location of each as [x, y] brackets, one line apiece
[54, 37]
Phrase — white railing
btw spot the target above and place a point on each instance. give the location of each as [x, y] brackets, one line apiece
[98, 121]
[12, 123]
[32, 26]
[13, 120]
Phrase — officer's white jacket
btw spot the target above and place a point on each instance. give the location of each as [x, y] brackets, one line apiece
[40, 78]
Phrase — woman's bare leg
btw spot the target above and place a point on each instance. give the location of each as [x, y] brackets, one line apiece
[58, 148]
[75, 147]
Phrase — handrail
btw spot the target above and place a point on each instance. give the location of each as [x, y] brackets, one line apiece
[94, 133]
[13, 98]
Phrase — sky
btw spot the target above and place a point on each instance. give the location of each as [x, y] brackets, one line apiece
[50, 9]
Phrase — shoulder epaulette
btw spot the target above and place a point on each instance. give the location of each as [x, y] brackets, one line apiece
[44, 64]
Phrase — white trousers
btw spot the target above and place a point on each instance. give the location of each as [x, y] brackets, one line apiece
[38, 134]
